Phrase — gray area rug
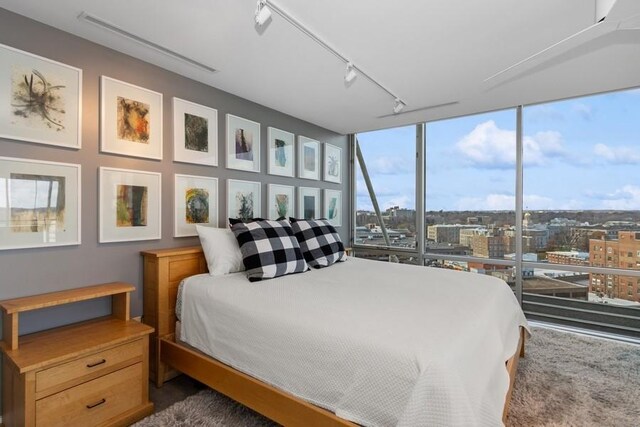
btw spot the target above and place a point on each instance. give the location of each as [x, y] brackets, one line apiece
[564, 380]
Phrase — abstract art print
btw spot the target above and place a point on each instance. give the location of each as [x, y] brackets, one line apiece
[195, 133]
[333, 207]
[40, 99]
[39, 203]
[130, 120]
[281, 152]
[130, 204]
[308, 158]
[196, 202]
[244, 199]
[332, 163]
[133, 120]
[243, 144]
[308, 203]
[280, 201]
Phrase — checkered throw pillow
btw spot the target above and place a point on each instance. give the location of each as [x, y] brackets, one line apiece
[319, 241]
[269, 249]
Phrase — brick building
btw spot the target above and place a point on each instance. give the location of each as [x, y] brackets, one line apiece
[623, 252]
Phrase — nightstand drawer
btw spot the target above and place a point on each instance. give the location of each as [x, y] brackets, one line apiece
[93, 365]
[93, 402]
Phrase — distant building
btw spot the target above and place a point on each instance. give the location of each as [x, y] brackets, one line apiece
[446, 249]
[399, 214]
[623, 252]
[568, 257]
[467, 234]
[446, 233]
[492, 245]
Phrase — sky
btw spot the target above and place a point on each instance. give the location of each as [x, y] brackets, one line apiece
[579, 154]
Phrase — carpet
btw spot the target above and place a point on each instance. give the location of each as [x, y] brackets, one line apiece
[564, 380]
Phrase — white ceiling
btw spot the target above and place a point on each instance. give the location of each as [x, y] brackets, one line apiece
[427, 52]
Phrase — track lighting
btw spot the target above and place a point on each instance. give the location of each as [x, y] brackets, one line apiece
[350, 74]
[265, 8]
[399, 105]
[263, 13]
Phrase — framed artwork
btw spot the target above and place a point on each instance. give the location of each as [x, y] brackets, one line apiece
[130, 120]
[308, 158]
[244, 199]
[130, 205]
[332, 163]
[281, 152]
[40, 99]
[195, 133]
[39, 203]
[196, 202]
[280, 201]
[308, 202]
[243, 144]
[333, 207]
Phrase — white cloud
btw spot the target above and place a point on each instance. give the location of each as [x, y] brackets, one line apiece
[503, 202]
[625, 198]
[387, 195]
[491, 147]
[617, 155]
[491, 202]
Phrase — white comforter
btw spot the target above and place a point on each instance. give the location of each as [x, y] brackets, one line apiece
[379, 344]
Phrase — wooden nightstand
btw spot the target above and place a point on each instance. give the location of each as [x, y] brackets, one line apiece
[85, 374]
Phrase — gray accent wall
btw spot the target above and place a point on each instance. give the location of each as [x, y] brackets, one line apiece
[33, 271]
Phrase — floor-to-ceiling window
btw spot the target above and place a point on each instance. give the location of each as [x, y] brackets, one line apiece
[387, 220]
[580, 211]
[470, 187]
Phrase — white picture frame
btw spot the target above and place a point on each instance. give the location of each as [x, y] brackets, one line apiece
[308, 203]
[130, 120]
[40, 203]
[332, 163]
[333, 207]
[244, 199]
[130, 204]
[195, 202]
[243, 144]
[26, 114]
[195, 133]
[281, 201]
[308, 158]
[282, 152]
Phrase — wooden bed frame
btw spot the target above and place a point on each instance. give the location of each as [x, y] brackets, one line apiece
[163, 271]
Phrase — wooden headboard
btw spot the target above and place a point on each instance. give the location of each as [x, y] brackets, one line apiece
[163, 271]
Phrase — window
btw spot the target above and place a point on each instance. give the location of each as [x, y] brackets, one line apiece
[470, 182]
[389, 158]
[590, 145]
[578, 238]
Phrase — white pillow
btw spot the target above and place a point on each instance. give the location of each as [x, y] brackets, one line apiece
[221, 250]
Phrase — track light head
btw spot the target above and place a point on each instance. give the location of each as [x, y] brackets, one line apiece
[263, 13]
[399, 105]
[350, 74]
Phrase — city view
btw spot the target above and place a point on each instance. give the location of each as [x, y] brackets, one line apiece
[580, 194]
[579, 238]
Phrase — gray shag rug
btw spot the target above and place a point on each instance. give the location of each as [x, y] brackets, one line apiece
[564, 380]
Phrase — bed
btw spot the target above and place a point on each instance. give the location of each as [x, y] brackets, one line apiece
[424, 364]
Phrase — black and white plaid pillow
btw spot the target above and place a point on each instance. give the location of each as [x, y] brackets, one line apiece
[269, 249]
[319, 241]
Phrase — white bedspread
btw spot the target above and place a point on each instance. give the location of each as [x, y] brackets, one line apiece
[380, 344]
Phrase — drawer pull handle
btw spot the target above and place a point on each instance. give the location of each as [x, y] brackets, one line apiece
[97, 404]
[91, 365]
